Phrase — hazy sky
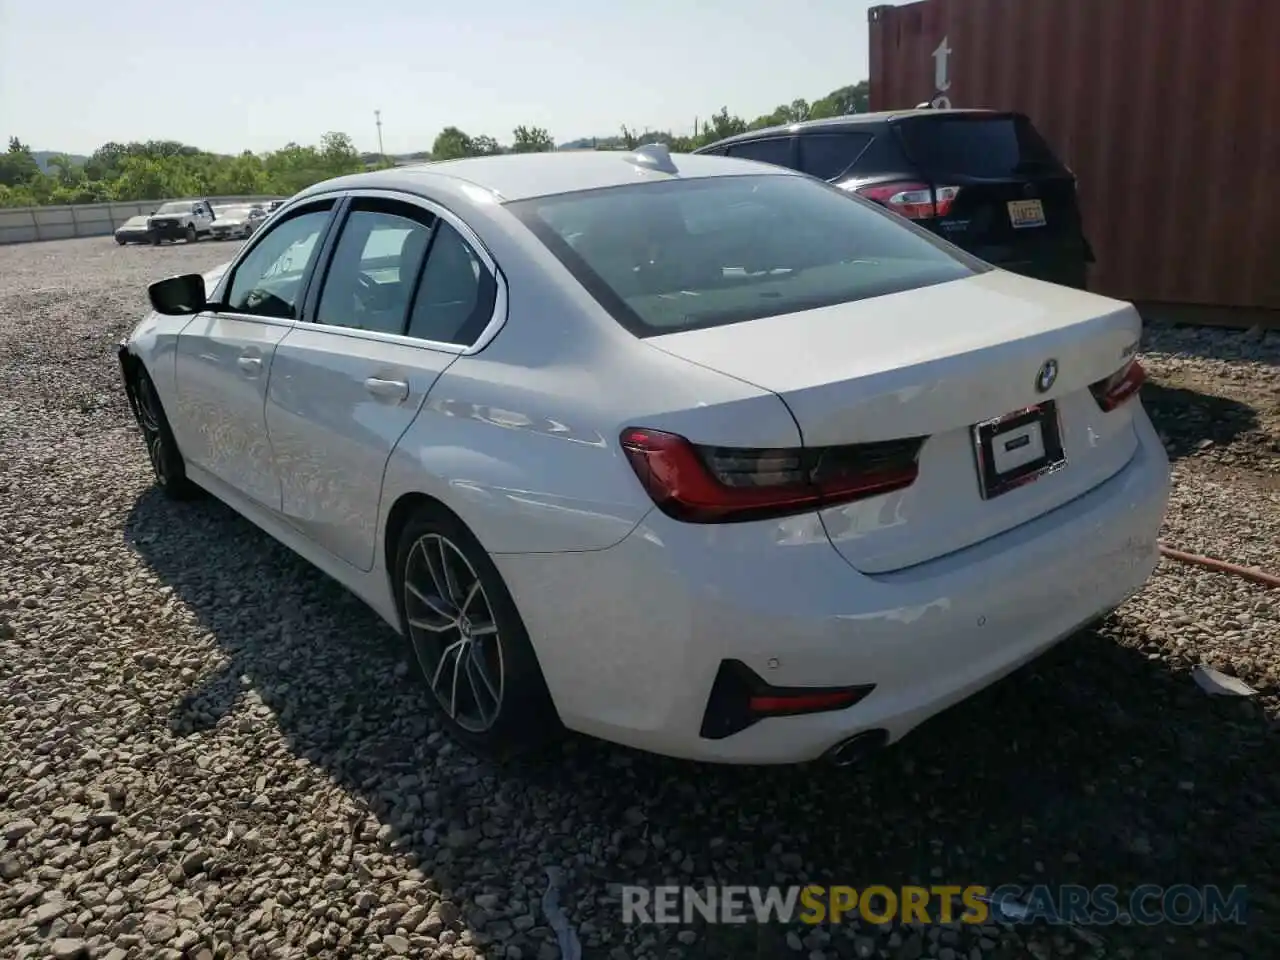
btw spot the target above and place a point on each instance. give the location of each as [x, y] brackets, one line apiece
[239, 74]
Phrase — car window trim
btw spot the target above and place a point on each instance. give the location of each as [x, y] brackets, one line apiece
[217, 301]
[497, 318]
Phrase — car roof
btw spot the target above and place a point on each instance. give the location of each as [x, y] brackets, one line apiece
[519, 176]
[853, 121]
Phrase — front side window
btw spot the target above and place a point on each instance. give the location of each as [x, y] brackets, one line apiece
[268, 281]
[685, 254]
[375, 266]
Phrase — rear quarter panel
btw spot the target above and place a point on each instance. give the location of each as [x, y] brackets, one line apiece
[521, 439]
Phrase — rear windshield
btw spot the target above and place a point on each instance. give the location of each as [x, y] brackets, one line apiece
[977, 146]
[687, 254]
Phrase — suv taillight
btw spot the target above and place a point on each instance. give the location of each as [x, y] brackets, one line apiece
[1120, 386]
[914, 200]
[706, 484]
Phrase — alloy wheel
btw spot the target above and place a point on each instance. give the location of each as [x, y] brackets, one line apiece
[149, 421]
[454, 634]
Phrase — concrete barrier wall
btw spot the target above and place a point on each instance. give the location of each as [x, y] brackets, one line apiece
[28, 224]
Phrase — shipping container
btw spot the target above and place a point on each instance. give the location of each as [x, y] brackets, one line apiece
[1168, 112]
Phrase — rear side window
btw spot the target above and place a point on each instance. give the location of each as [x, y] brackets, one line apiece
[776, 151]
[375, 265]
[686, 254]
[455, 300]
[827, 155]
[977, 146]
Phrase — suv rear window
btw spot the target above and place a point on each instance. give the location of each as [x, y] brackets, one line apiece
[977, 146]
[686, 254]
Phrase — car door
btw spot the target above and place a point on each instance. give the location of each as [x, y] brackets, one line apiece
[224, 356]
[403, 291]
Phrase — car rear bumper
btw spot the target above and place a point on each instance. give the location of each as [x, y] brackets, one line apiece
[631, 638]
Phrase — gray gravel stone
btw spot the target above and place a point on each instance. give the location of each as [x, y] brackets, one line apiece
[207, 746]
[69, 948]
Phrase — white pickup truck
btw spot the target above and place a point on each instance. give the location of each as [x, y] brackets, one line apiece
[181, 220]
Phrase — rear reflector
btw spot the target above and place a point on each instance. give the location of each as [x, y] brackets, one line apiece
[740, 697]
[912, 199]
[707, 484]
[1120, 386]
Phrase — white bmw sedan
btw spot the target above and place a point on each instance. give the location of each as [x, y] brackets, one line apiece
[689, 453]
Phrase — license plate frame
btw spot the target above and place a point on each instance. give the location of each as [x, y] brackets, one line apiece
[1026, 214]
[1039, 424]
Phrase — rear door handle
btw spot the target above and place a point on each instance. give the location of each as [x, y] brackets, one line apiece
[252, 366]
[396, 390]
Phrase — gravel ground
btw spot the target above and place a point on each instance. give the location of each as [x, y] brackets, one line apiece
[208, 750]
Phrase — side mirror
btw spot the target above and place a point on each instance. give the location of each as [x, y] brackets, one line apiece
[178, 296]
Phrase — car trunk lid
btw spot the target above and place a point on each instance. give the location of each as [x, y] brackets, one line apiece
[935, 362]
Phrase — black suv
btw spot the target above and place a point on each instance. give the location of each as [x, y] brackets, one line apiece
[985, 180]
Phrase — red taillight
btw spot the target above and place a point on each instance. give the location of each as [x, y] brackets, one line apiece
[704, 484]
[740, 698]
[793, 703]
[914, 200]
[1120, 386]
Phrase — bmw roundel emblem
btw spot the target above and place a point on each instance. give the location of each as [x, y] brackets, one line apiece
[1047, 376]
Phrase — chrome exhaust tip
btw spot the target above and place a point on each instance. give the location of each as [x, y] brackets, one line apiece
[857, 748]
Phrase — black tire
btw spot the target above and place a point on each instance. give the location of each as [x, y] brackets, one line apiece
[120, 241]
[524, 717]
[154, 238]
[162, 450]
[192, 236]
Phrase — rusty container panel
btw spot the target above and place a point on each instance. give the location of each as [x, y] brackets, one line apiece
[1168, 111]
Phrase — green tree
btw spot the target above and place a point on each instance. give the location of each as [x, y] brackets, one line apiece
[17, 166]
[839, 103]
[244, 175]
[159, 169]
[451, 144]
[339, 155]
[67, 173]
[531, 140]
[724, 125]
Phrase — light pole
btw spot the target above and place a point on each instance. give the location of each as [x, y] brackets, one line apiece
[377, 117]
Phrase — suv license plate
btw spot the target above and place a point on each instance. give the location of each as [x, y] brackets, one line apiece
[1026, 213]
[1018, 448]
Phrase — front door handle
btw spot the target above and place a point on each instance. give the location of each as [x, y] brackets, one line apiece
[252, 366]
[396, 390]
